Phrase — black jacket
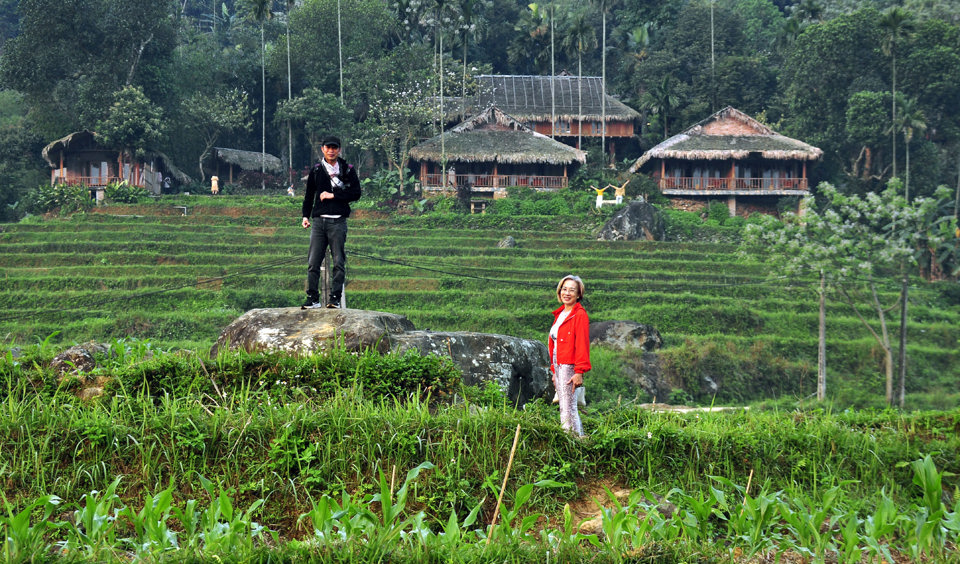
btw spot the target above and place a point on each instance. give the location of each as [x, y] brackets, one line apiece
[319, 181]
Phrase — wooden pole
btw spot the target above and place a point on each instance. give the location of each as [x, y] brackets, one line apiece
[496, 511]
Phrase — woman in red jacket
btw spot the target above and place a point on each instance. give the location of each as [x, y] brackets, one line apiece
[569, 348]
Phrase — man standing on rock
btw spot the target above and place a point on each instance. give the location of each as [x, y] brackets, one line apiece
[331, 186]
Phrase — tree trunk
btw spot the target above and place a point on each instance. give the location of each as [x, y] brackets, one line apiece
[263, 105]
[903, 335]
[822, 342]
[603, 91]
[906, 182]
[893, 111]
[579, 97]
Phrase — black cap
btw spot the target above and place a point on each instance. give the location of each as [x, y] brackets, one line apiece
[331, 141]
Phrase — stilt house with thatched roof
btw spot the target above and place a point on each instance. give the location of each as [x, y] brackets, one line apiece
[732, 156]
[562, 106]
[79, 159]
[492, 151]
[236, 161]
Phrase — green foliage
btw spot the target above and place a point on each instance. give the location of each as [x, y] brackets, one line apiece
[62, 198]
[718, 212]
[125, 193]
[133, 124]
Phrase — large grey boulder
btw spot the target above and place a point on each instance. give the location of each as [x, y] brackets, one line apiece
[637, 221]
[622, 335]
[518, 366]
[298, 330]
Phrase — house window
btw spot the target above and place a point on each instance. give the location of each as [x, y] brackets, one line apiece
[563, 126]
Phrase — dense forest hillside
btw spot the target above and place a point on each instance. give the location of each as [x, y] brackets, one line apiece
[825, 72]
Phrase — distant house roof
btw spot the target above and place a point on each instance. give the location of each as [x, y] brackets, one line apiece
[729, 134]
[494, 136]
[86, 140]
[249, 160]
[528, 98]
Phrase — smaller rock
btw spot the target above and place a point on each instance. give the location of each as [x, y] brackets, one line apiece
[625, 335]
[79, 358]
[637, 221]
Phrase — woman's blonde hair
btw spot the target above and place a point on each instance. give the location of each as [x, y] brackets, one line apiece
[576, 279]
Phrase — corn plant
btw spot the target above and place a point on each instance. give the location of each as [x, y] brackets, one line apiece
[809, 522]
[750, 523]
[880, 526]
[153, 534]
[23, 541]
[92, 533]
[224, 529]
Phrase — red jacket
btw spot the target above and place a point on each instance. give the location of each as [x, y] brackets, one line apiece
[573, 340]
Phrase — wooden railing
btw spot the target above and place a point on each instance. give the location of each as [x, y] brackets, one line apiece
[754, 184]
[92, 181]
[492, 181]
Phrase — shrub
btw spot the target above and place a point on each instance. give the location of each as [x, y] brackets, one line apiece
[67, 198]
[125, 193]
[718, 212]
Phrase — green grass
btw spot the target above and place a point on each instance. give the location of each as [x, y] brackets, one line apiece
[265, 441]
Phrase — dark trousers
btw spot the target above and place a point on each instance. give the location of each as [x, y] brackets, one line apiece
[332, 233]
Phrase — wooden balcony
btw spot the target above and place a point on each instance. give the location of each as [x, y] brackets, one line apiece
[491, 182]
[93, 181]
[680, 186]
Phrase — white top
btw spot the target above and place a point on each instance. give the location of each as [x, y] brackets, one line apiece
[333, 170]
[560, 319]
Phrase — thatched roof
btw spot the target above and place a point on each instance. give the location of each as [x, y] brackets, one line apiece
[176, 173]
[494, 136]
[86, 139]
[83, 139]
[528, 98]
[249, 160]
[729, 134]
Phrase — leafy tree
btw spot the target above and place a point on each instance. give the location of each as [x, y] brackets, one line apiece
[21, 167]
[71, 55]
[855, 243]
[660, 100]
[133, 123]
[866, 119]
[529, 49]
[830, 62]
[319, 114]
[399, 118]
[211, 115]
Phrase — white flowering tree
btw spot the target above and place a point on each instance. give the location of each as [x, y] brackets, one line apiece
[854, 244]
[399, 117]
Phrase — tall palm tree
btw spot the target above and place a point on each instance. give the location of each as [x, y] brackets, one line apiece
[441, 15]
[910, 120]
[259, 10]
[290, 5]
[897, 25]
[660, 100]
[579, 37]
[604, 6]
[470, 24]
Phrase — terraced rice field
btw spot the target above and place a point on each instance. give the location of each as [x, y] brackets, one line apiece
[177, 280]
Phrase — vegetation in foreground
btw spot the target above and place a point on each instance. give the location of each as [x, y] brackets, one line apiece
[250, 457]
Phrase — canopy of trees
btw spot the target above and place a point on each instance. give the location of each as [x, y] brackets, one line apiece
[828, 72]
